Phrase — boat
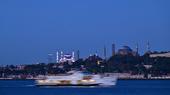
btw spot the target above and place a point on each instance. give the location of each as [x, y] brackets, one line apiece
[77, 78]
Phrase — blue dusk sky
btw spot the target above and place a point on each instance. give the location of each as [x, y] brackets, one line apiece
[30, 29]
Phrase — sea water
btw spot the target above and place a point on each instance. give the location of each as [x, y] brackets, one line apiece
[123, 87]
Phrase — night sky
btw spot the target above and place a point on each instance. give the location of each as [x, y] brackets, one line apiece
[30, 29]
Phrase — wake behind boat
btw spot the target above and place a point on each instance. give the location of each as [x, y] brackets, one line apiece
[77, 78]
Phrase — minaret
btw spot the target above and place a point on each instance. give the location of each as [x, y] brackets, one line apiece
[73, 54]
[78, 54]
[96, 54]
[104, 52]
[73, 57]
[61, 56]
[113, 49]
[137, 49]
[57, 57]
[148, 47]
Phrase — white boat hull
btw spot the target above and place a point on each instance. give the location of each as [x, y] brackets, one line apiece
[77, 79]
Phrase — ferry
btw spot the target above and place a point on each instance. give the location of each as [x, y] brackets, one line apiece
[77, 78]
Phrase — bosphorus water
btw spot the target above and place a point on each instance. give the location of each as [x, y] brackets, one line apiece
[123, 87]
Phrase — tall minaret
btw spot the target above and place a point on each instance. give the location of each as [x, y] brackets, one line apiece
[148, 47]
[137, 48]
[73, 57]
[61, 56]
[96, 53]
[104, 52]
[113, 49]
[78, 54]
[57, 57]
[73, 54]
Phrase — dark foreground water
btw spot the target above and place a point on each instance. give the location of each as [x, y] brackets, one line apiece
[123, 87]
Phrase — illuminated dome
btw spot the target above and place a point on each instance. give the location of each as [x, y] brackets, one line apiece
[127, 48]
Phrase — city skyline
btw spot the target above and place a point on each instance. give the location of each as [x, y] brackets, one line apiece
[29, 30]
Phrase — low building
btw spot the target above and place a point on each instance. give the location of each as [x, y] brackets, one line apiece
[127, 75]
[162, 54]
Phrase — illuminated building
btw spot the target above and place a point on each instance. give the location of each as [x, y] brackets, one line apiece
[65, 57]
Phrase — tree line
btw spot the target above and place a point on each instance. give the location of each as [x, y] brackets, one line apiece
[115, 64]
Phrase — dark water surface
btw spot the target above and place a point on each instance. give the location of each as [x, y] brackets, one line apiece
[123, 87]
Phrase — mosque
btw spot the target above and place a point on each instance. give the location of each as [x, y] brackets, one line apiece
[61, 57]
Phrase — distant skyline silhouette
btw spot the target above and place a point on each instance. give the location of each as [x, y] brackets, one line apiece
[30, 29]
